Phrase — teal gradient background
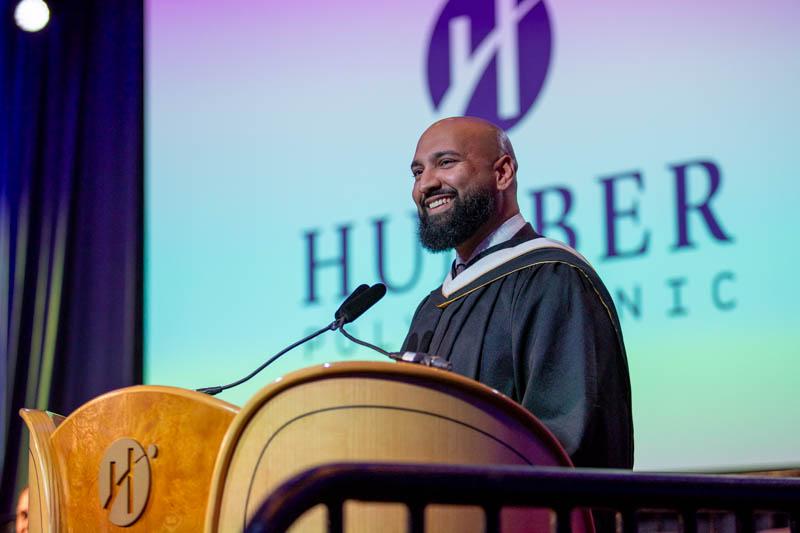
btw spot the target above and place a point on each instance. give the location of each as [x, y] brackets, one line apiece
[267, 121]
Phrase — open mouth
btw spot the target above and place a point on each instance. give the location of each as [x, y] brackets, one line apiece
[438, 203]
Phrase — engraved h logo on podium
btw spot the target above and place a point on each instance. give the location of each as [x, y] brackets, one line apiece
[124, 480]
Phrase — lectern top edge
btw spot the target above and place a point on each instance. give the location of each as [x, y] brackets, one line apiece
[163, 389]
[377, 368]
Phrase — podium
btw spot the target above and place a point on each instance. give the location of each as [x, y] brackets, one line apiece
[135, 459]
[209, 467]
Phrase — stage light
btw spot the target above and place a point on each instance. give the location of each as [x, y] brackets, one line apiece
[32, 15]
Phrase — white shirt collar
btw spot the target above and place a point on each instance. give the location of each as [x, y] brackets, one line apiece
[507, 229]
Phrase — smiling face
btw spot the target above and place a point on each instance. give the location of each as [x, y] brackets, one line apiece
[464, 183]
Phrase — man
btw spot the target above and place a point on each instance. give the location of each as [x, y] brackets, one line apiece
[518, 312]
[22, 512]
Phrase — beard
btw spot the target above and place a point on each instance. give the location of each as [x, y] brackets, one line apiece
[447, 230]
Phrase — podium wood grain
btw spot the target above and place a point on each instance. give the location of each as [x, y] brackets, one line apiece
[186, 428]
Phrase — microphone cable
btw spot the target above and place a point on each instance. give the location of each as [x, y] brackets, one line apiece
[366, 344]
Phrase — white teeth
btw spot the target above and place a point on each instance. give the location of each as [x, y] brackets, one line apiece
[437, 203]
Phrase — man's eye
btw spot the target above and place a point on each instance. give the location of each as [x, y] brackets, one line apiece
[416, 172]
[445, 162]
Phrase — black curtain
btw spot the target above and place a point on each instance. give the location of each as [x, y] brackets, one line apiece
[71, 229]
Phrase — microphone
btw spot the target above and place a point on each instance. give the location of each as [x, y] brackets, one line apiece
[357, 292]
[353, 307]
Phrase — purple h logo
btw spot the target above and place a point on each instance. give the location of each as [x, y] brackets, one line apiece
[489, 59]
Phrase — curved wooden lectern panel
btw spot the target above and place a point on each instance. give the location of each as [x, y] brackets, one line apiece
[373, 412]
[135, 459]
[44, 498]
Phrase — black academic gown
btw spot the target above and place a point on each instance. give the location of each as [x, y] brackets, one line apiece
[542, 329]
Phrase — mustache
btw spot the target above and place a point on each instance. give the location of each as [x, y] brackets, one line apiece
[441, 190]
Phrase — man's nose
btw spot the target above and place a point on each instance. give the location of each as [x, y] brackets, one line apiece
[428, 181]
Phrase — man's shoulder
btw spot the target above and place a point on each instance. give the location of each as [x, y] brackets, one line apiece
[511, 260]
[552, 252]
[534, 268]
[553, 266]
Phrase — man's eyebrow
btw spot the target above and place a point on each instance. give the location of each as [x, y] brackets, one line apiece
[435, 156]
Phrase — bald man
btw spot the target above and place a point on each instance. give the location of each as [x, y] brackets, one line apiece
[523, 314]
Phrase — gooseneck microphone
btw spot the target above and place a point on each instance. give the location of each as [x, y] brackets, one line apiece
[359, 301]
[353, 306]
[347, 301]
[219, 388]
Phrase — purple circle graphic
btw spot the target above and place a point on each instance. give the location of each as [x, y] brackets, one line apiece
[489, 58]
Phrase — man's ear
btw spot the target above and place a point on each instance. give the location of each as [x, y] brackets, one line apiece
[504, 172]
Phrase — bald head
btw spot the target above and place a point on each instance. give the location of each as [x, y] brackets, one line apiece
[464, 178]
[485, 135]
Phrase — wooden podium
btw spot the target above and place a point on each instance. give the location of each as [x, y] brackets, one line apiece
[209, 467]
[135, 459]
